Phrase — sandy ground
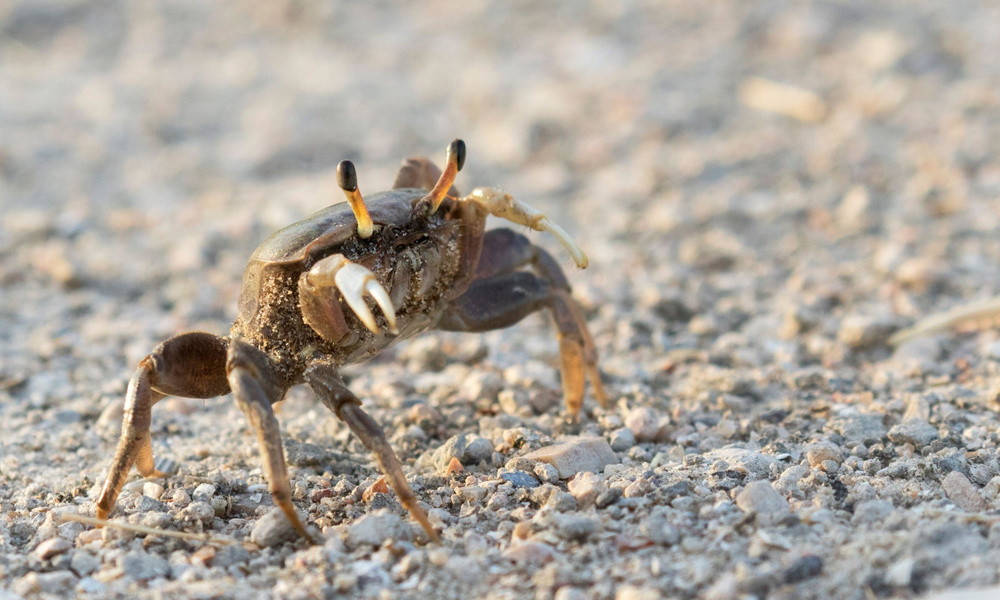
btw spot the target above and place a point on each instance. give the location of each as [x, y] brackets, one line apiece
[766, 190]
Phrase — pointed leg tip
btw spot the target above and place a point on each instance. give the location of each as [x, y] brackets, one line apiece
[429, 530]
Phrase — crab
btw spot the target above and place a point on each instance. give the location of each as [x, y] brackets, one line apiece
[420, 255]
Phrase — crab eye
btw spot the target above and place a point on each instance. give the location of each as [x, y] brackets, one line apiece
[347, 176]
[457, 149]
[347, 179]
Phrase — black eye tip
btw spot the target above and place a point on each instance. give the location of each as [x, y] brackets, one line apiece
[457, 149]
[347, 176]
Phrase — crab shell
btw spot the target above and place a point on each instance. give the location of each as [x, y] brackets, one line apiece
[424, 262]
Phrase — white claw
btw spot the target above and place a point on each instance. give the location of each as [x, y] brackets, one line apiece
[501, 204]
[354, 281]
[381, 297]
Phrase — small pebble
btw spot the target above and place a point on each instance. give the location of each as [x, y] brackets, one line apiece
[375, 528]
[546, 472]
[871, 512]
[273, 529]
[84, 563]
[197, 511]
[858, 427]
[900, 573]
[764, 501]
[89, 536]
[140, 565]
[530, 553]
[804, 568]
[56, 583]
[586, 487]
[152, 489]
[822, 451]
[575, 527]
[561, 501]
[915, 431]
[638, 488]
[204, 492]
[608, 497]
[622, 439]
[478, 449]
[574, 455]
[960, 490]
[658, 529]
[864, 332]
[52, 547]
[570, 593]
[644, 422]
[631, 592]
[471, 493]
[520, 479]
[787, 483]
[180, 498]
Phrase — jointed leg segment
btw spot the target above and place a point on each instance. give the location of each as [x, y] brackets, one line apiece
[501, 204]
[191, 365]
[501, 296]
[335, 395]
[254, 392]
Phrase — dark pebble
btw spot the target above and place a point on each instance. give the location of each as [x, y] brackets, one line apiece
[608, 497]
[804, 568]
[520, 479]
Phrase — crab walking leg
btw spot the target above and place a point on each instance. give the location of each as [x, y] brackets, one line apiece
[248, 391]
[505, 299]
[354, 283]
[501, 204]
[576, 350]
[134, 446]
[505, 251]
[334, 394]
[191, 365]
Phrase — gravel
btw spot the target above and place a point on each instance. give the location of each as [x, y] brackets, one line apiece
[768, 192]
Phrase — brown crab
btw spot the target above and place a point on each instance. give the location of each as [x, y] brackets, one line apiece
[427, 262]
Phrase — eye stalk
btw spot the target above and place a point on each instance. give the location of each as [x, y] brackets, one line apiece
[456, 160]
[347, 179]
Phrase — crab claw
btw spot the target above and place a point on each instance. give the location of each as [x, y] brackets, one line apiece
[354, 282]
[501, 204]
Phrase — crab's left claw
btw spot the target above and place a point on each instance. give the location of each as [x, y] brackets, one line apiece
[501, 204]
[354, 283]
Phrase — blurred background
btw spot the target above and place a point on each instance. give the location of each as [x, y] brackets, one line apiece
[700, 152]
[760, 185]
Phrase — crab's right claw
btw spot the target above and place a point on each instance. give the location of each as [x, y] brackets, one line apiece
[501, 204]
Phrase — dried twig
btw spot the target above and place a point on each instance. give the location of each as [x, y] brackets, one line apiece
[976, 315]
[198, 537]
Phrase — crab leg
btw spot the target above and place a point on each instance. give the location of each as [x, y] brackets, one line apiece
[501, 204]
[334, 394]
[191, 365]
[254, 391]
[354, 283]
